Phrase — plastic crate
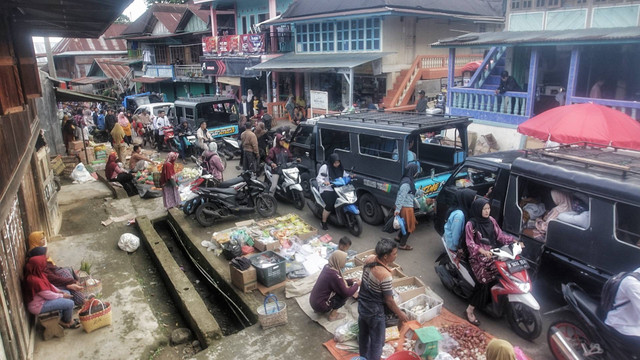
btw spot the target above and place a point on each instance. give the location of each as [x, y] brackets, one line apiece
[270, 268]
[435, 307]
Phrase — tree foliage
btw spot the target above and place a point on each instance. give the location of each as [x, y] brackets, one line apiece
[122, 19]
[151, 2]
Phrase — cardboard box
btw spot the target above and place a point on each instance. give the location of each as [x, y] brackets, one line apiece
[412, 280]
[57, 165]
[360, 258]
[245, 280]
[76, 145]
[261, 246]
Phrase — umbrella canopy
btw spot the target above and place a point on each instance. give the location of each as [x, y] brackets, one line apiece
[584, 122]
[471, 66]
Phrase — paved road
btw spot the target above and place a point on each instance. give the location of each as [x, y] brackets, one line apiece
[420, 263]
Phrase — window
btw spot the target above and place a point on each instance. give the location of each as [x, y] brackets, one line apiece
[328, 39]
[252, 21]
[526, 4]
[177, 55]
[303, 136]
[477, 179]
[314, 37]
[357, 34]
[244, 25]
[189, 114]
[161, 54]
[515, 4]
[330, 36]
[342, 35]
[378, 146]
[627, 224]
[334, 139]
[196, 52]
[540, 3]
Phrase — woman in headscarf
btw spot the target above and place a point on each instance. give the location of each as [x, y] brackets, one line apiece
[290, 106]
[328, 172]
[62, 278]
[499, 349]
[170, 193]
[482, 226]
[117, 135]
[126, 127]
[563, 204]
[41, 296]
[331, 290]
[458, 215]
[113, 172]
[213, 161]
[404, 205]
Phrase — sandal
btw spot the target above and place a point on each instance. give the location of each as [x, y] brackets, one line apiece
[74, 325]
[405, 247]
[476, 322]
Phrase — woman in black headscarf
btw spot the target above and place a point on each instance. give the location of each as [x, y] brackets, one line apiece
[328, 172]
[482, 226]
[404, 205]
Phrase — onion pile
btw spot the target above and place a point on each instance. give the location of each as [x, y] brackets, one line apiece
[473, 342]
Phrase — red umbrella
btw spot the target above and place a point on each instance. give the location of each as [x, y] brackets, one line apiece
[584, 122]
[471, 66]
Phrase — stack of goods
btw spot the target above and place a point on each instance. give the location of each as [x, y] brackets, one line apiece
[465, 342]
[57, 165]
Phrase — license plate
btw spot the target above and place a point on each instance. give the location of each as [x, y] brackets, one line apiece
[515, 266]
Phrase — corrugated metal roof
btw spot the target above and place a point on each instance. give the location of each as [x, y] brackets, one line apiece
[317, 62]
[302, 8]
[113, 68]
[103, 43]
[170, 20]
[87, 80]
[544, 38]
[161, 12]
[204, 15]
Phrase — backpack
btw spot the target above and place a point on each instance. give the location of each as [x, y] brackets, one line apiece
[609, 292]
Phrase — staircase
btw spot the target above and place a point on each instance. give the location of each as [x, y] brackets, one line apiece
[424, 67]
[488, 74]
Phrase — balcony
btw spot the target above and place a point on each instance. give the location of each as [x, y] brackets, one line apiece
[508, 108]
[190, 73]
[248, 44]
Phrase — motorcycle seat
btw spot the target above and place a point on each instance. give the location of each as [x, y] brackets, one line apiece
[216, 190]
[231, 182]
[588, 306]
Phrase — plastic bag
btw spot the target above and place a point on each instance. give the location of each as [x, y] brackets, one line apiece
[444, 356]
[81, 175]
[346, 332]
[398, 224]
[129, 242]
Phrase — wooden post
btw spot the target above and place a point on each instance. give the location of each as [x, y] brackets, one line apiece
[451, 76]
[573, 75]
[533, 75]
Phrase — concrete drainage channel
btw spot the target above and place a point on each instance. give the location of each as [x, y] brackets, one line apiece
[202, 291]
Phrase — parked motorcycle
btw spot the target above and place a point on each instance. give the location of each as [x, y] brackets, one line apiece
[289, 187]
[189, 141]
[169, 140]
[346, 211]
[511, 295]
[590, 338]
[229, 147]
[241, 195]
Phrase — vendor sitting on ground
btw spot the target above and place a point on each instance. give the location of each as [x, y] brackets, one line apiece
[113, 172]
[41, 296]
[331, 290]
[62, 278]
[138, 162]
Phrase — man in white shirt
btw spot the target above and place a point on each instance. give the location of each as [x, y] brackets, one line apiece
[625, 317]
[158, 123]
[203, 136]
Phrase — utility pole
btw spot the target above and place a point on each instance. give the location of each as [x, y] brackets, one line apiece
[51, 64]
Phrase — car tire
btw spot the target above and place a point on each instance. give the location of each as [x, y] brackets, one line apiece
[370, 210]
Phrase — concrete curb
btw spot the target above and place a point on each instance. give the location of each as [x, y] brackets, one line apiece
[118, 192]
[217, 267]
[186, 297]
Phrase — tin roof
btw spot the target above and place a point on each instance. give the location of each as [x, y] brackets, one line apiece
[317, 62]
[73, 46]
[305, 8]
[112, 68]
[167, 14]
[544, 38]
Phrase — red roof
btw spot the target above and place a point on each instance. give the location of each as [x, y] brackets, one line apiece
[91, 45]
[204, 15]
[170, 20]
[113, 68]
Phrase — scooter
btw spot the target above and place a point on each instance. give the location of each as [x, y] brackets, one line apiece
[591, 338]
[511, 295]
[346, 211]
[229, 147]
[289, 187]
[168, 141]
[241, 195]
[189, 141]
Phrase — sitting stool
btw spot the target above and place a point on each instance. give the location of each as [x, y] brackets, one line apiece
[50, 321]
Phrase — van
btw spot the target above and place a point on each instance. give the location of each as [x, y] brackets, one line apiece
[596, 237]
[214, 110]
[376, 146]
[154, 108]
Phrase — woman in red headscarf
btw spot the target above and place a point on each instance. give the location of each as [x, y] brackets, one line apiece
[170, 193]
[41, 296]
[114, 172]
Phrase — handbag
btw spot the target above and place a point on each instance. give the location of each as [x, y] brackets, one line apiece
[388, 223]
[95, 314]
[272, 314]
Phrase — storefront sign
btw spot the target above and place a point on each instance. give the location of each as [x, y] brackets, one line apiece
[251, 44]
[229, 66]
[248, 44]
[319, 100]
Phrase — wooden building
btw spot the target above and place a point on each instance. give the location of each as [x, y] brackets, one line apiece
[25, 178]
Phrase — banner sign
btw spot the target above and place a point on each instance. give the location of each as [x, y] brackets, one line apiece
[229, 66]
[248, 44]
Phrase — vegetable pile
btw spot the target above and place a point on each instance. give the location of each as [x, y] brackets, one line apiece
[472, 341]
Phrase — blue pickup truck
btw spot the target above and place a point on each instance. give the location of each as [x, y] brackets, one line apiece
[376, 145]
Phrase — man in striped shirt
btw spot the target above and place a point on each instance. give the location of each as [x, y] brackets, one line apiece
[376, 293]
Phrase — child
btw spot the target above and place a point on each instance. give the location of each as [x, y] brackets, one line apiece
[344, 244]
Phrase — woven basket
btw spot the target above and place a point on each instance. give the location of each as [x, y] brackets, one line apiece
[91, 286]
[92, 319]
[272, 314]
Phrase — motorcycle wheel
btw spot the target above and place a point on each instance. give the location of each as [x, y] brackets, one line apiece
[574, 336]
[266, 205]
[298, 199]
[306, 187]
[354, 222]
[524, 321]
[201, 214]
[370, 210]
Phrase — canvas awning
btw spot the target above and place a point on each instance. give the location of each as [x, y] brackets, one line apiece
[317, 62]
[70, 95]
